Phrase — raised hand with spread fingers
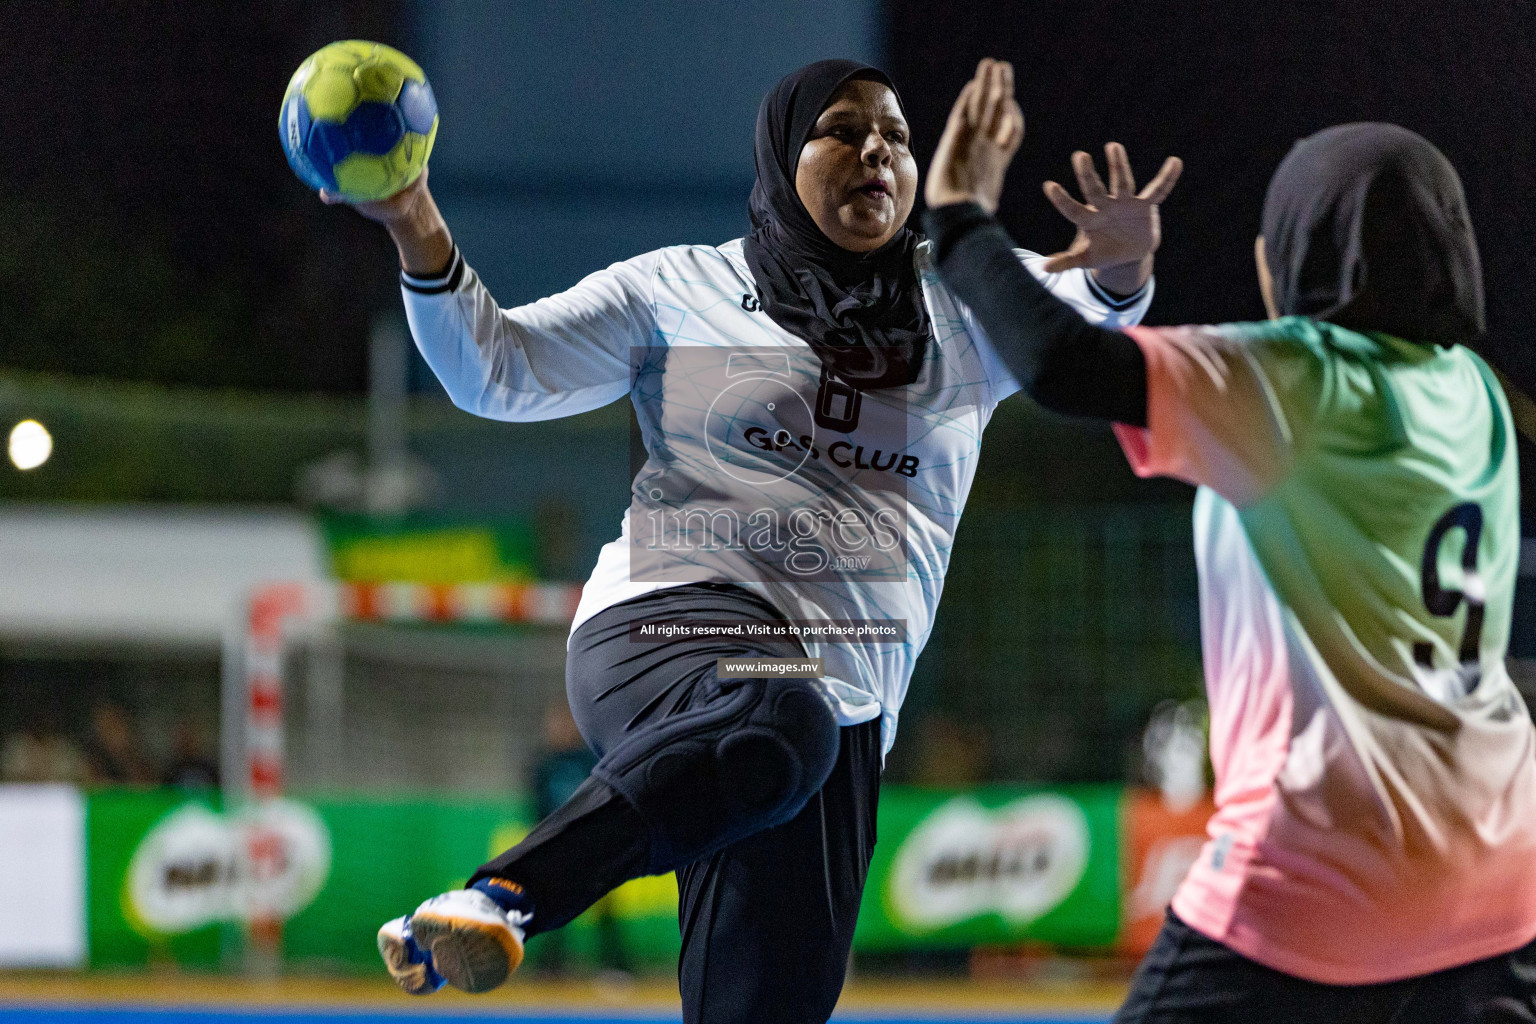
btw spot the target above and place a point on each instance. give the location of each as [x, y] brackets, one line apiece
[1117, 227]
[984, 130]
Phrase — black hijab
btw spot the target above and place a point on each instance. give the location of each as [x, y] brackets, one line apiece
[862, 313]
[1366, 226]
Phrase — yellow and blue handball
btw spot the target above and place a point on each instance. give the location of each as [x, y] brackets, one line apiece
[358, 120]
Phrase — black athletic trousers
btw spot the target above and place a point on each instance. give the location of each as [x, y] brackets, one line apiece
[747, 788]
[1187, 978]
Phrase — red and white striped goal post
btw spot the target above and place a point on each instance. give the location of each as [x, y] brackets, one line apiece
[275, 611]
[253, 685]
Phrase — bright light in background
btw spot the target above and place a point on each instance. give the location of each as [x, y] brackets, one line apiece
[30, 444]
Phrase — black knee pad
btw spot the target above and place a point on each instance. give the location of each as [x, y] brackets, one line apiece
[774, 763]
[746, 759]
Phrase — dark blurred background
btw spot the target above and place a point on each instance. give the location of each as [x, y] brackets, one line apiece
[154, 231]
[195, 328]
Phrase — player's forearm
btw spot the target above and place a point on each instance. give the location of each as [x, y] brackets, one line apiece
[422, 238]
[1062, 361]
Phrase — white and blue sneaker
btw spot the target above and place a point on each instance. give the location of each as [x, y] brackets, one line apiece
[409, 964]
[471, 939]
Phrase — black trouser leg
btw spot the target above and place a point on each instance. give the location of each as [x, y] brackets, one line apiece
[590, 845]
[1187, 978]
[768, 922]
[690, 763]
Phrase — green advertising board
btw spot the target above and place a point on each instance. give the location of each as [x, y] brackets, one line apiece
[386, 857]
[994, 866]
[173, 879]
[119, 828]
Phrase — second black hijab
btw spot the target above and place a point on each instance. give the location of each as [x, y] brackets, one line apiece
[862, 313]
[1366, 226]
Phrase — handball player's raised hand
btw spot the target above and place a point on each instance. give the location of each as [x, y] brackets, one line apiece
[413, 221]
[983, 132]
[395, 208]
[1117, 226]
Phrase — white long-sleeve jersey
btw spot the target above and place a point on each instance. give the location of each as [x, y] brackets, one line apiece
[761, 469]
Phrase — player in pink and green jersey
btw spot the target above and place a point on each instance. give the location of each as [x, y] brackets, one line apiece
[1373, 853]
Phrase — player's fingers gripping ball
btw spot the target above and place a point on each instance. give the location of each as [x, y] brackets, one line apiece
[358, 120]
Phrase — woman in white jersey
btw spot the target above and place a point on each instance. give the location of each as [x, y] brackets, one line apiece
[1372, 858]
[811, 400]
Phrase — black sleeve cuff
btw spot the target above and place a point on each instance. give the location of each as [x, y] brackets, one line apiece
[436, 284]
[947, 225]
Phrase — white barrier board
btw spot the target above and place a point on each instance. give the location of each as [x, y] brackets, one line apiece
[42, 876]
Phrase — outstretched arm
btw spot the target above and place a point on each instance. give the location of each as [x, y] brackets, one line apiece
[559, 356]
[1062, 361]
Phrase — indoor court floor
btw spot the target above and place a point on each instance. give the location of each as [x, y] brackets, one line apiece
[182, 999]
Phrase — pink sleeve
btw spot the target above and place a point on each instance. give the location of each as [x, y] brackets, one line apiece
[1212, 419]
